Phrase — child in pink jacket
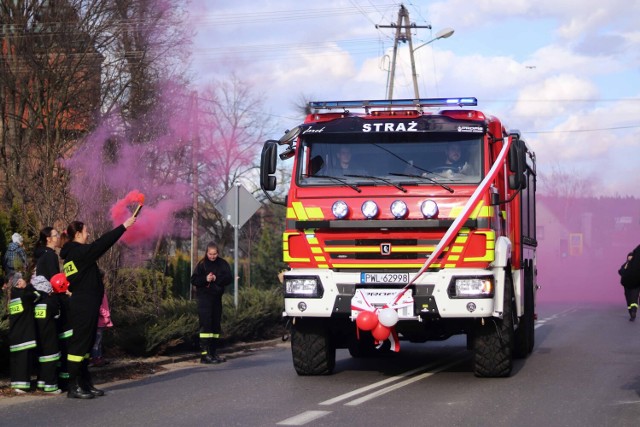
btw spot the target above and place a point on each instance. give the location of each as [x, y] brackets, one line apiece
[104, 321]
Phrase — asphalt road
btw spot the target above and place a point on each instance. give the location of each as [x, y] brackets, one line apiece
[584, 371]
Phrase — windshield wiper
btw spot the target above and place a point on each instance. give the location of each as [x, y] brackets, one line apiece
[410, 175]
[340, 180]
[386, 181]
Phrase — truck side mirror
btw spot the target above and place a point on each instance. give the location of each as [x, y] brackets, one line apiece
[268, 161]
[517, 164]
[522, 159]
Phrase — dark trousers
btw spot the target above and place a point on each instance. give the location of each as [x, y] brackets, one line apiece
[84, 322]
[632, 295]
[48, 349]
[20, 366]
[210, 316]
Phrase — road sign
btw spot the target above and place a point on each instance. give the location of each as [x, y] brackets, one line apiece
[237, 206]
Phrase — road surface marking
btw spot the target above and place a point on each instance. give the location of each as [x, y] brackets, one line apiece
[541, 322]
[303, 418]
[396, 386]
[383, 382]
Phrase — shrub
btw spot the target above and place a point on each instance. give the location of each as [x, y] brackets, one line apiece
[259, 315]
[145, 331]
[140, 288]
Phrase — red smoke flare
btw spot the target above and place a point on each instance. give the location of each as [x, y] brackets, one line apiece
[143, 229]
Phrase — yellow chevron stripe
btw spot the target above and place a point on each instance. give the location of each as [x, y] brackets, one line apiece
[315, 213]
[488, 256]
[300, 212]
[287, 258]
[396, 249]
[365, 266]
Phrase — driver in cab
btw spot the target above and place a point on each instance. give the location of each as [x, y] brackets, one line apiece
[343, 165]
[453, 159]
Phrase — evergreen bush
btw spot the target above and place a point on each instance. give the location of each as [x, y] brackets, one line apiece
[145, 330]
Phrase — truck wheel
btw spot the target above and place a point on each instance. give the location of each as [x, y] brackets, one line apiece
[525, 334]
[312, 348]
[493, 340]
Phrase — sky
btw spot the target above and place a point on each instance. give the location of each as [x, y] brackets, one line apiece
[566, 73]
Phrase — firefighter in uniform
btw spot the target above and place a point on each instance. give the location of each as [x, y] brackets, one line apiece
[210, 277]
[47, 338]
[47, 309]
[87, 289]
[22, 331]
[63, 325]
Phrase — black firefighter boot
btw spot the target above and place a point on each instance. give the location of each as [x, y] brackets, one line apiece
[76, 391]
[87, 381]
[204, 352]
[213, 345]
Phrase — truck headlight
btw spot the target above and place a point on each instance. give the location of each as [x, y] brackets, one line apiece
[471, 287]
[399, 209]
[340, 209]
[303, 286]
[429, 209]
[369, 209]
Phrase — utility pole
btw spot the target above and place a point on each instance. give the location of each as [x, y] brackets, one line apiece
[195, 147]
[403, 34]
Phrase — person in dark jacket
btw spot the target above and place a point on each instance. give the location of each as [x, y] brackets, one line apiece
[630, 279]
[22, 331]
[63, 326]
[46, 258]
[15, 259]
[47, 309]
[210, 277]
[87, 289]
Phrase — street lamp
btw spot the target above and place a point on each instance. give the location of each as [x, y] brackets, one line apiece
[445, 33]
[442, 34]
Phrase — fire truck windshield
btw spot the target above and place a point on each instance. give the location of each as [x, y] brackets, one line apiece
[398, 158]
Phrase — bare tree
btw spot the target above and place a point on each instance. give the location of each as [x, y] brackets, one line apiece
[232, 131]
[49, 84]
[64, 63]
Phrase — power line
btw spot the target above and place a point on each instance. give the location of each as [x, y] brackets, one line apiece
[582, 130]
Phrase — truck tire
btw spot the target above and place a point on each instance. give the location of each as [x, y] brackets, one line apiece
[312, 348]
[493, 340]
[525, 334]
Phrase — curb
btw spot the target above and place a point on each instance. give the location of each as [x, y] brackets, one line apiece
[231, 352]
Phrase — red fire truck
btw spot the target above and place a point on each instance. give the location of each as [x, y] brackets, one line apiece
[407, 220]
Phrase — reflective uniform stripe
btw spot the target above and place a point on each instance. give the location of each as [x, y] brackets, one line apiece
[74, 358]
[22, 385]
[209, 335]
[49, 358]
[23, 346]
[65, 334]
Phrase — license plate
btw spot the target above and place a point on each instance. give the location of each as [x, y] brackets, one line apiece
[402, 278]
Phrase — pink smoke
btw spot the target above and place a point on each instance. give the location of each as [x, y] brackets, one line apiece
[151, 222]
[582, 242]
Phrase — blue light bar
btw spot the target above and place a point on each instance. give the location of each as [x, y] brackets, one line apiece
[395, 103]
